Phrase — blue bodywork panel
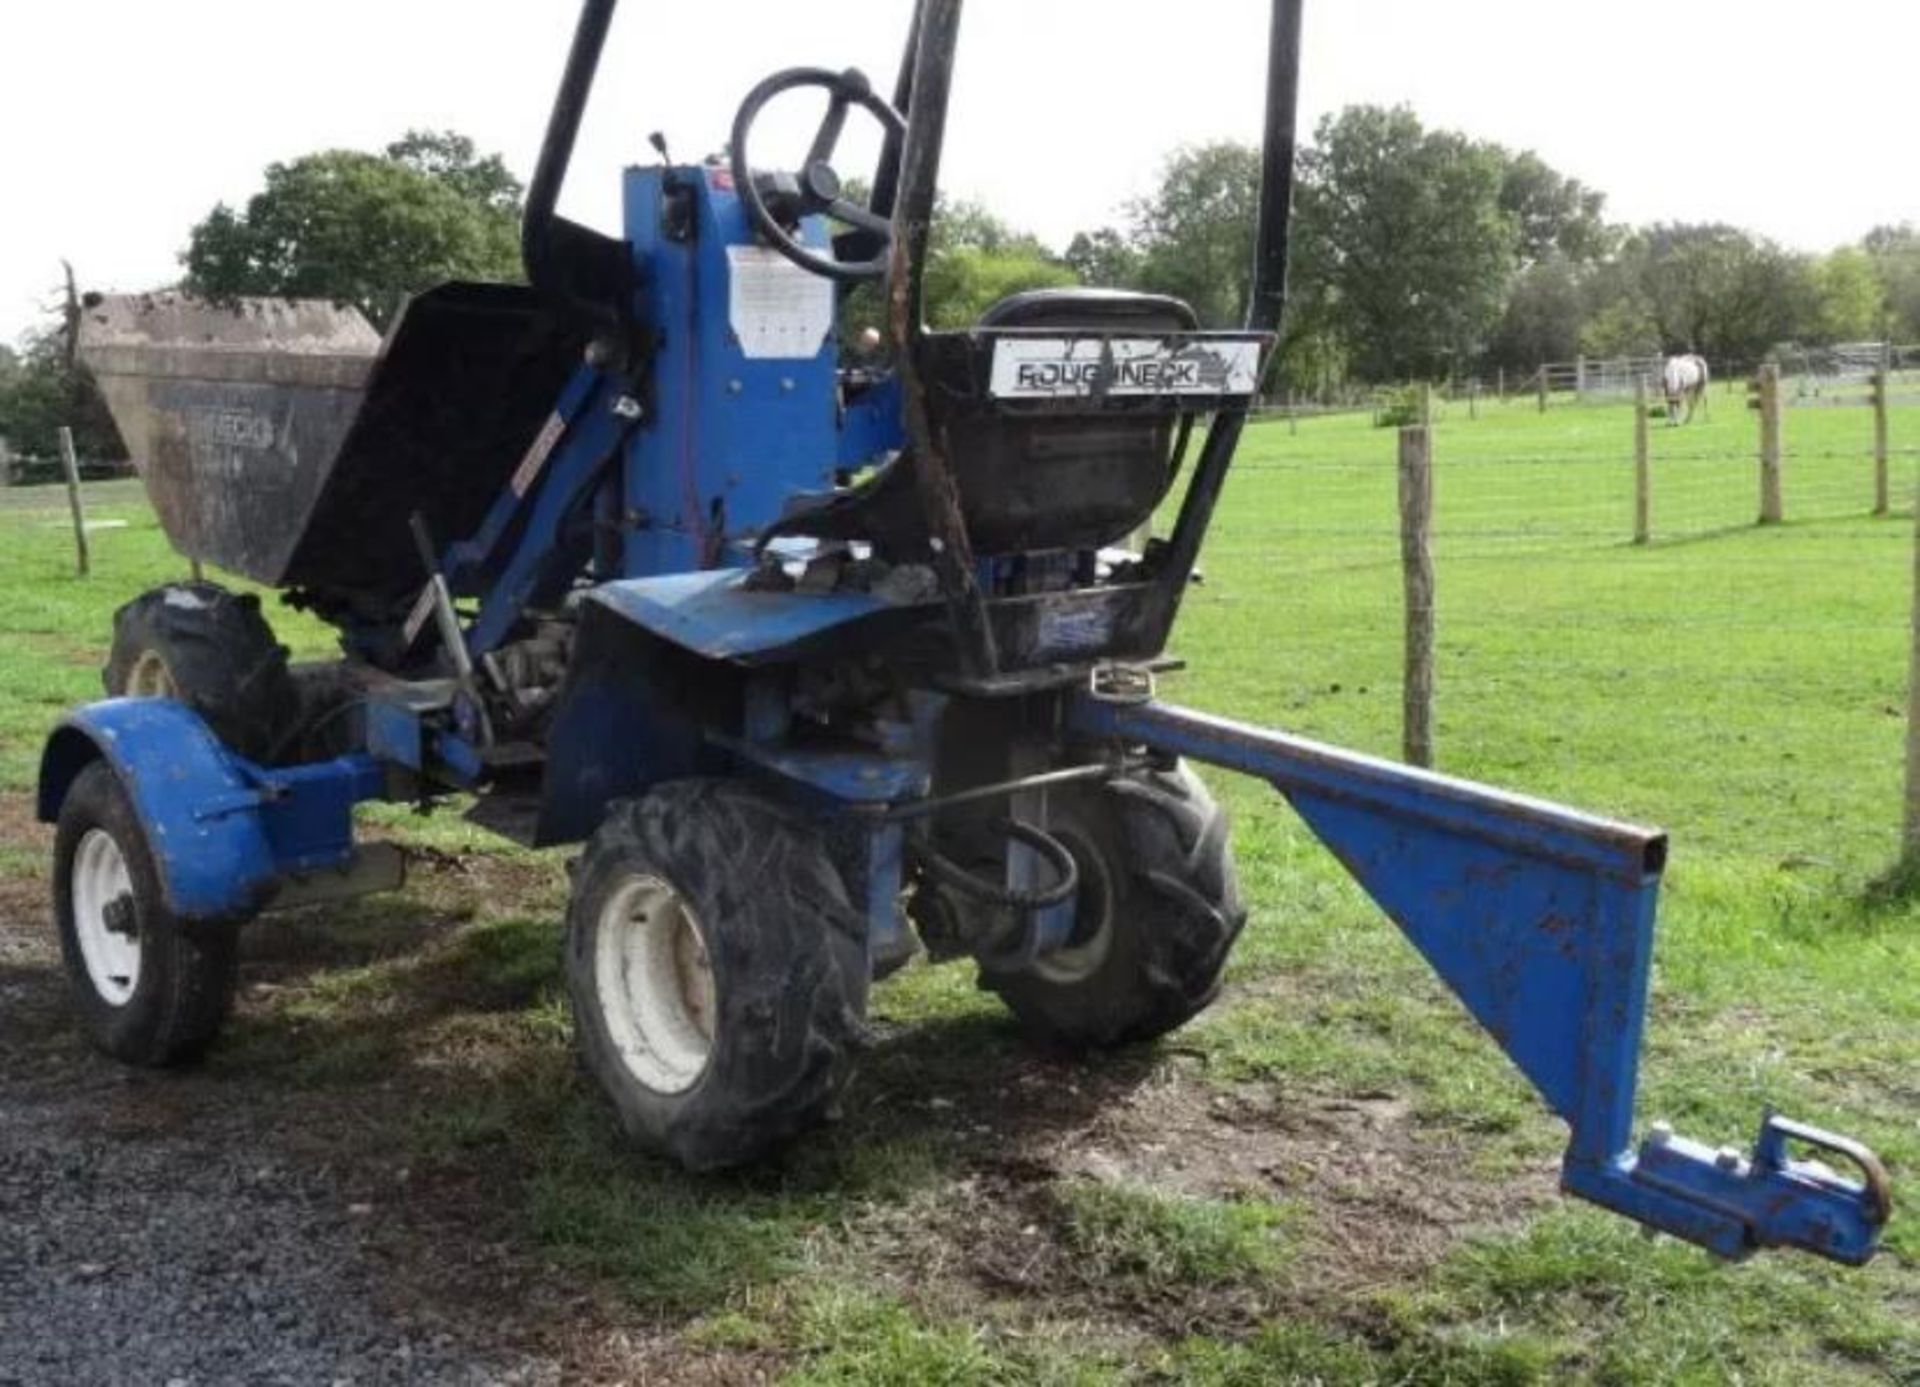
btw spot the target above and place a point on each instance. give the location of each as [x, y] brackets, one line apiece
[548, 556]
[744, 380]
[1541, 920]
[223, 831]
[716, 615]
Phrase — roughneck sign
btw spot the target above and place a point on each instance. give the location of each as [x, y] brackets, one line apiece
[1050, 367]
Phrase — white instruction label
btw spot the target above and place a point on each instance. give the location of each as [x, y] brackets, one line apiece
[774, 307]
[1047, 367]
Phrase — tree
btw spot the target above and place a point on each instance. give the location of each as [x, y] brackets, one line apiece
[40, 393]
[975, 259]
[1552, 214]
[1545, 314]
[364, 229]
[1104, 257]
[1718, 290]
[1850, 299]
[964, 281]
[962, 223]
[1402, 243]
[1895, 253]
[451, 158]
[1194, 235]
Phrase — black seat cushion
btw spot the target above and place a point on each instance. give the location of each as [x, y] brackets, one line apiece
[1096, 309]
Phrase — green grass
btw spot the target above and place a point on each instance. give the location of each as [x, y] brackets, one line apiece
[1159, 1242]
[1742, 687]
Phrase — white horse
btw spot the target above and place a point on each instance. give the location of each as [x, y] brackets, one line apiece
[1685, 381]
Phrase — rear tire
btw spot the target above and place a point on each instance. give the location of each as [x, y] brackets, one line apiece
[1158, 911]
[213, 651]
[150, 989]
[717, 971]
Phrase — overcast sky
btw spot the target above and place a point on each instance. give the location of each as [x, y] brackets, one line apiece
[123, 121]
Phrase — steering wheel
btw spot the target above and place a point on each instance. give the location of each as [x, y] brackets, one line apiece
[817, 187]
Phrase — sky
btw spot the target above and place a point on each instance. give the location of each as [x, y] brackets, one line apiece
[122, 122]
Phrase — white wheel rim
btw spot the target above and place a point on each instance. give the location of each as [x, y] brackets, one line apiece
[655, 984]
[1076, 962]
[99, 878]
[150, 677]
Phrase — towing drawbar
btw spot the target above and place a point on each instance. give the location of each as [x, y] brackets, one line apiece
[1541, 919]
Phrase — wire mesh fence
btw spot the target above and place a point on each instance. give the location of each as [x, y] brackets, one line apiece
[1778, 652]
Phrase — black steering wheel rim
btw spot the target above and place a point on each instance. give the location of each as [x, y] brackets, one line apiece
[819, 184]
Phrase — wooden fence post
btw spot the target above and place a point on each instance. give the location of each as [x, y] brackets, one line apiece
[1500, 384]
[1416, 561]
[1881, 389]
[1642, 471]
[72, 465]
[1543, 387]
[1473, 399]
[6, 464]
[1768, 384]
[1910, 827]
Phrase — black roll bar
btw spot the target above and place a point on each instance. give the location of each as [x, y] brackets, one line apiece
[540, 229]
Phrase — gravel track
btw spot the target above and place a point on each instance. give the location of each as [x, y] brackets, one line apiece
[192, 1229]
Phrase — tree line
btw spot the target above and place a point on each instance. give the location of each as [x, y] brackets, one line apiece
[1422, 254]
[1416, 253]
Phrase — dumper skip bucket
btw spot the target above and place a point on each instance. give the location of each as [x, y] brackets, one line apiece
[285, 441]
[228, 412]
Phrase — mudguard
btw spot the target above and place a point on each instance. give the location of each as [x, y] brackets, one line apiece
[718, 615]
[224, 832]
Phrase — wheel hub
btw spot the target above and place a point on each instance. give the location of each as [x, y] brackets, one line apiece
[655, 984]
[150, 677]
[105, 923]
[1086, 949]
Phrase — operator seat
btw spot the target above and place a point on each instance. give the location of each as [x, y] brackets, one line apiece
[1075, 472]
[1103, 310]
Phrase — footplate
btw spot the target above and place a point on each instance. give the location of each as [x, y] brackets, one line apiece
[1540, 918]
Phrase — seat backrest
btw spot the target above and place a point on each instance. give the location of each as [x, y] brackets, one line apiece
[1070, 472]
[1100, 310]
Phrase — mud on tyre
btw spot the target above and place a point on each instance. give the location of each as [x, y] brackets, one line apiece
[212, 650]
[717, 972]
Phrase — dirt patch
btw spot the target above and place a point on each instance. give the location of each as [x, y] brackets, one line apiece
[283, 1232]
[1377, 1196]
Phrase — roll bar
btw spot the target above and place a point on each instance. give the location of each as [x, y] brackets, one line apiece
[547, 241]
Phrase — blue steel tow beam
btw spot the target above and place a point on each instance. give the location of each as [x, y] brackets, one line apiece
[1541, 919]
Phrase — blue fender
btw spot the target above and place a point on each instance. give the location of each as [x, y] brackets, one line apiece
[223, 832]
[716, 614]
[186, 788]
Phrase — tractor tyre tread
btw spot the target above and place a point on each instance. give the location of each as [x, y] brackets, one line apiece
[1176, 916]
[788, 952]
[221, 654]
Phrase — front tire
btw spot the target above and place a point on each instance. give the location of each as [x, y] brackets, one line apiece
[151, 989]
[717, 971]
[1157, 913]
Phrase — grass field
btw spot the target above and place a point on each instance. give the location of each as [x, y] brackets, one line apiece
[1332, 1176]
